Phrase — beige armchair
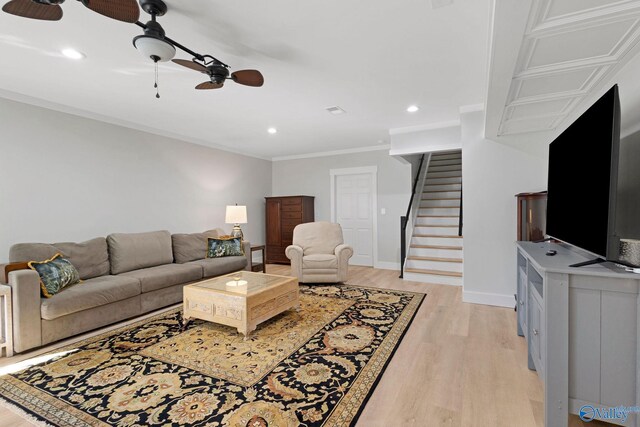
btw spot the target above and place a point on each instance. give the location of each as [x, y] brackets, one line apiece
[318, 253]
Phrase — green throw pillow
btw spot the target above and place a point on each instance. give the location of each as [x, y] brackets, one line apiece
[217, 248]
[55, 274]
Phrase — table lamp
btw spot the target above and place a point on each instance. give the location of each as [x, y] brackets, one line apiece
[236, 215]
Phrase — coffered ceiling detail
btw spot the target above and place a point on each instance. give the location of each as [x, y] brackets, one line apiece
[568, 50]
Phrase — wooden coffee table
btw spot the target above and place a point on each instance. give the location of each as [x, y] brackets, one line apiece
[241, 300]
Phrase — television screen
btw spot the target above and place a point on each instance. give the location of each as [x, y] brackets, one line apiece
[583, 168]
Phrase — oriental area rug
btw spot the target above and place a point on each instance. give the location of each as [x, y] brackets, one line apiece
[312, 367]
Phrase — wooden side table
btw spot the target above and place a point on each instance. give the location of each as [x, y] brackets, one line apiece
[258, 266]
[6, 331]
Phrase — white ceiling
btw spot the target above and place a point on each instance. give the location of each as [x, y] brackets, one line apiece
[551, 60]
[373, 58]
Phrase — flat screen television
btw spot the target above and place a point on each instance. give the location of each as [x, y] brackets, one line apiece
[583, 176]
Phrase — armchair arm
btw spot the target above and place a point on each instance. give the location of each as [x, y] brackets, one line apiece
[246, 247]
[295, 253]
[25, 296]
[343, 253]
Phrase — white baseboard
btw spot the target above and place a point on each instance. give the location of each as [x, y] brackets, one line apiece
[385, 265]
[487, 298]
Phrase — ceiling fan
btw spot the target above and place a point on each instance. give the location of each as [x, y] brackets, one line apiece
[153, 44]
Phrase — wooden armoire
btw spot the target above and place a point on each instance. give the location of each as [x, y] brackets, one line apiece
[283, 214]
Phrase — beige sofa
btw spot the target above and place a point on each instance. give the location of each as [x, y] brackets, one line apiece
[318, 253]
[124, 275]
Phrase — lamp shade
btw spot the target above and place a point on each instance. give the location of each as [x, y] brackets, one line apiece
[236, 215]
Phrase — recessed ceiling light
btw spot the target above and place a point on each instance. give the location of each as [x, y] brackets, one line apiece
[412, 108]
[73, 54]
[272, 130]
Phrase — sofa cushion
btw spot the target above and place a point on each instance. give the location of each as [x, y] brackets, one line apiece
[190, 247]
[218, 266]
[162, 276]
[321, 261]
[92, 293]
[91, 258]
[133, 251]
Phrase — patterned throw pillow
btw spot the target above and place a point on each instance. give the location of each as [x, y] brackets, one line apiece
[55, 274]
[220, 247]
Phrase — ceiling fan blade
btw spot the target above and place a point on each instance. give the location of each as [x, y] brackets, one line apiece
[191, 64]
[121, 10]
[209, 85]
[248, 77]
[33, 10]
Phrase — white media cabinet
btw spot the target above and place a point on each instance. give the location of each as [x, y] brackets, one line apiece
[581, 326]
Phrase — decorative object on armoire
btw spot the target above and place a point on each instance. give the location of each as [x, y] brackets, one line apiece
[532, 216]
[282, 215]
[318, 253]
[629, 251]
[236, 215]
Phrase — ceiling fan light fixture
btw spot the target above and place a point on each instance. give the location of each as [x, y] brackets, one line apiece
[157, 49]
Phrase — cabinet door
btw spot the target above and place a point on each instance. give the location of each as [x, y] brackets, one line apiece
[274, 232]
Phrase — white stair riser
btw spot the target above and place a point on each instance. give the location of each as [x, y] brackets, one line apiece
[440, 253]
[443, 211]
[439, 241]
[432, 203]
[446, 156]
[443, 195]
[434, 265]
[438, 221]
[436, 181]
[449, 231]
[435, 168]
[443, 187]
[447, 174]
[430, 278]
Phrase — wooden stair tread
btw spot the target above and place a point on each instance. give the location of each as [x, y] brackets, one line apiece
[453, 248]
[439, 191]
[434, 272]
[439, 207]
[455, 236]
[446, 198]
[435, 258]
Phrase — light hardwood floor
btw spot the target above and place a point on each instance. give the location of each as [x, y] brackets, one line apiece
[458, 365]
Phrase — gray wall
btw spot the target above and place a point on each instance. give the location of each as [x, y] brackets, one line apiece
[67, 178]
[311, 177]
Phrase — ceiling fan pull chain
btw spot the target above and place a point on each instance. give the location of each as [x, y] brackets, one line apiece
[155, 85]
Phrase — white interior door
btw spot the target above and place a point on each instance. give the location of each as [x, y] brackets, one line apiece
[354, 212]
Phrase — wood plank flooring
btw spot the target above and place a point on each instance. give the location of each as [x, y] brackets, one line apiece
[458, 365]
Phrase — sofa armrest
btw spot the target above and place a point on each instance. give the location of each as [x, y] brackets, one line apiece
[25, 296]
[295, 253]
[246, 247]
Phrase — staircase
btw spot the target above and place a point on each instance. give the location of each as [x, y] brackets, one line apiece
[435, 252]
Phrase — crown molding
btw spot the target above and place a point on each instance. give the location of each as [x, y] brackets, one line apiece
[332, 153]
[472, 108]
[429, 126]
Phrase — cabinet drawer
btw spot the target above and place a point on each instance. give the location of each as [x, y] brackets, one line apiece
[292, 208]
[289, 202]
[276, 254]
[288, 224]
[292, 215]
